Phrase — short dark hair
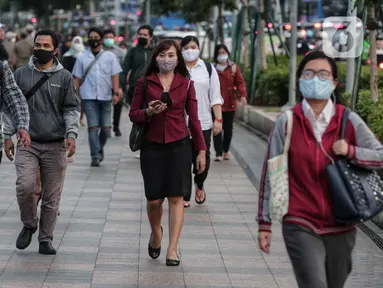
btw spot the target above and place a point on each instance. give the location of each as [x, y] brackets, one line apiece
[219, 47]
[162, 46]
[96, 30]
[109, 31]
[48, 32]
[147, 27]
[187, 39]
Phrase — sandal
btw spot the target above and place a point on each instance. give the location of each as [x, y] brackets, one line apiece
[199, 202]
[186, 204]
[154, 253]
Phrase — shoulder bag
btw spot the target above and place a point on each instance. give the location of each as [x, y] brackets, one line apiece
[357, 192]
[278, 172]
[137, 133]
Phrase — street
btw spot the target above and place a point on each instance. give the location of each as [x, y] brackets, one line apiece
[102, 234]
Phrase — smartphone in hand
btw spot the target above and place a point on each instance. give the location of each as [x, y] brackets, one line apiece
[156, 104]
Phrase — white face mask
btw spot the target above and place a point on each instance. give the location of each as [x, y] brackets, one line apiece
[78, 47]
[190, 54]
[222, 58]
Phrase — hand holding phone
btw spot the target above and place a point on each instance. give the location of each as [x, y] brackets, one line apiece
[155, 104]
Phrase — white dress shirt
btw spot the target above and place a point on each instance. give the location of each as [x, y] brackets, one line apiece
[319, 125]
[208, 92]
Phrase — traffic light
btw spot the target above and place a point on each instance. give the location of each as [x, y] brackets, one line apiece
[33, 20]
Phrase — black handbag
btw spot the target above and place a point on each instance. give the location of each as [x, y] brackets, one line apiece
[357, 192]
[137, 133]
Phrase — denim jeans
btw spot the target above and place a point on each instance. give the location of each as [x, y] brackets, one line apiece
[99, 119]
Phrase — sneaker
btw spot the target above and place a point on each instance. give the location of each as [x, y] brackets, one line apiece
[218, 159]
[95, 163]
[227, 156]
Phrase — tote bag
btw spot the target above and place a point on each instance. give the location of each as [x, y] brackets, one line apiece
[279, 177]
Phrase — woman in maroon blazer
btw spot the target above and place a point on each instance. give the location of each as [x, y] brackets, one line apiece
[166, 152]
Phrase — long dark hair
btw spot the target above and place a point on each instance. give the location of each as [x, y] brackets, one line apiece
[219, 47]
[162, 46]
[320, 55]
[187, 39]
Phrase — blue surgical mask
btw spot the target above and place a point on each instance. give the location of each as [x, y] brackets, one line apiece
[316, 88]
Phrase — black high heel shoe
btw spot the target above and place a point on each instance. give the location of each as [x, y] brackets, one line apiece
[154, 253]
[173, 262]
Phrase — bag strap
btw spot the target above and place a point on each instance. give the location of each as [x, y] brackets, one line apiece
[90, 66]
[37, 86]
[289, 131]
[346, 114]
[209, 68]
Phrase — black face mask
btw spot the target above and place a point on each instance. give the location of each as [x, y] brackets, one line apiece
[43, 56]
[142, 41]
[94, 43]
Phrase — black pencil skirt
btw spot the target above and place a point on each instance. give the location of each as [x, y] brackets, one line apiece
[166, 168]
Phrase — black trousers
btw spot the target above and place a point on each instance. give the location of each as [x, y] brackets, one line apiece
[117, 109]
[319, 261]
[199, 179]
[129, 94]
[222, 140]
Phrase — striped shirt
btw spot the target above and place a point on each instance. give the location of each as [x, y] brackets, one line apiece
[12, 102]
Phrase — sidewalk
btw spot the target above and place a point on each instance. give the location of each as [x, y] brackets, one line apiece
[102, 233]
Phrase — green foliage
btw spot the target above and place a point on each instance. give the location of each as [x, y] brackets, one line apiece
[272, 87]
[192, 10]
[44, 7]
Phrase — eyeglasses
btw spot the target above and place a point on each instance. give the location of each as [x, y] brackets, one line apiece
[322, 74]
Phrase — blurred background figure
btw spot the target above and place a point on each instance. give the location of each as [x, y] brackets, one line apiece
[9, 44]
[76, 48]
[23, 50]
[3, 52]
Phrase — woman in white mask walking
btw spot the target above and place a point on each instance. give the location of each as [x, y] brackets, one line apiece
[76, 49]
[208, 94]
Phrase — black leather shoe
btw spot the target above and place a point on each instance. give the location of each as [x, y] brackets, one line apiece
[25, 238]
[46, 248]
[117, 132]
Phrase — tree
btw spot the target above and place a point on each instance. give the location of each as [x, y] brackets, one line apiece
[373, 8]
[195, 11]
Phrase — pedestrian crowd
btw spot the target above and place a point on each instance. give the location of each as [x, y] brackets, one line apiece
[178, 104]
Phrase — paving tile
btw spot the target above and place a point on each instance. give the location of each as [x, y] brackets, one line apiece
[103, 231]
[113, 277]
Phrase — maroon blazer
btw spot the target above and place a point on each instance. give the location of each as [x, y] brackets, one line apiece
[170, 125]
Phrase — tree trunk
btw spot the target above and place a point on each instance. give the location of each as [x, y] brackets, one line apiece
[262, 48]
[374, 65]
[221, 24]
[126, 36]
[210, 22]
[246, 33]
